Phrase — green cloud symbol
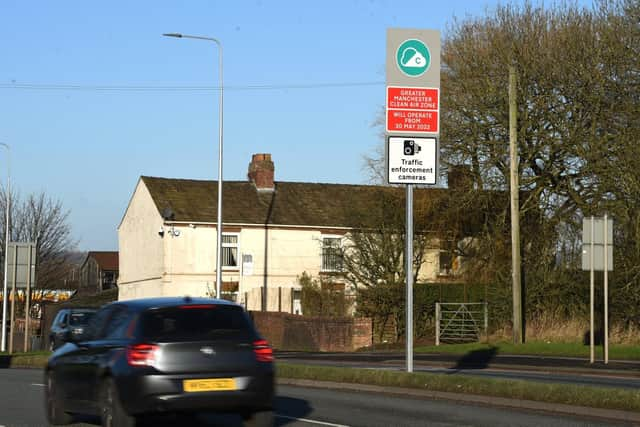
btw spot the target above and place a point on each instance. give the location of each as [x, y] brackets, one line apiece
[407, 55]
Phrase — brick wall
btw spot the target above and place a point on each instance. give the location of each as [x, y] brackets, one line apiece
[291, 332]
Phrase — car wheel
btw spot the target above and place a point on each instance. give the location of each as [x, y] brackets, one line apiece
[260, 419]
[54, 406]
[113, 414]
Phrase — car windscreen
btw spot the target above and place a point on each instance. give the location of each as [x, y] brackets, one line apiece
[79, 318]
[195, 322]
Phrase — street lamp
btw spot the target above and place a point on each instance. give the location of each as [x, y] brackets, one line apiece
[220, 110]
[3, 346]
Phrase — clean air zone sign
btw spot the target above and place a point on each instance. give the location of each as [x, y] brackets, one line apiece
[412, 106]
[413, 82]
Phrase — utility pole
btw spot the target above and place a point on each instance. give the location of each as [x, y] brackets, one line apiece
[515, 209]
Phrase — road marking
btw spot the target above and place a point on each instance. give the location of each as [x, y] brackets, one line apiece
[37, 385]
[304, 420]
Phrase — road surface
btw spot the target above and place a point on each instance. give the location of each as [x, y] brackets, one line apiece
[22, 392]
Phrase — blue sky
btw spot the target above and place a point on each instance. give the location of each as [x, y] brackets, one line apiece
[88, 146]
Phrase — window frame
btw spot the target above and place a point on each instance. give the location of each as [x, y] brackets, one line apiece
[231, 245]
[446, 252]
[340, 239]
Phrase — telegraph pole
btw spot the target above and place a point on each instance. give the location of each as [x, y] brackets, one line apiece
[515, 210]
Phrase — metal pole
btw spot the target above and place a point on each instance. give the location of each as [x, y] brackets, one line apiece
[3, 346]
[220, 144]
[486, 321]
[409, 273]
[437, 323]
[219, 242]
[27, 298]
[13, 298]
[515, 210]
[592, 294]
[606, 291]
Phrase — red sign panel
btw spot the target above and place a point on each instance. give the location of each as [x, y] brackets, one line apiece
[412, 109]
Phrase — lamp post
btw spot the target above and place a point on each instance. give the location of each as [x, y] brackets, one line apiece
[220, 111]
[3, 346]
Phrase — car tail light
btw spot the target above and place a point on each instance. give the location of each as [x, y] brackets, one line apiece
[263, 351]
[142, 354]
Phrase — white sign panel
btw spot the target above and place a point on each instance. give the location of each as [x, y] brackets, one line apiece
[597, 242]
[247, 264]
[18, 264]
[412, 160]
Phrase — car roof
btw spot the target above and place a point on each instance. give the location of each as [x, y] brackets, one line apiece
[79, 309]
[161, 302]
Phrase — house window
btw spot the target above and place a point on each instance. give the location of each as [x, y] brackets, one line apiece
[229, 250]
[332, 253]
[446, 258]
[445, 263]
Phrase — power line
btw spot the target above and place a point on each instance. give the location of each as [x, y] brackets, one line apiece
[131, 88]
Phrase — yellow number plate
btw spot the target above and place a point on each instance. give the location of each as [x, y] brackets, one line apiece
[213, 384]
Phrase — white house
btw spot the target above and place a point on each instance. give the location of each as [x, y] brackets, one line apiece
[272, 232]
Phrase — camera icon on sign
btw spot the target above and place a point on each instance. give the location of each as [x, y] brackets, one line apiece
[410, 147]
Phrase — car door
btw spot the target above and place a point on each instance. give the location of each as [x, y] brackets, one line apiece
[58, 328]
[75, 365]
[110, 339]
[53, 329]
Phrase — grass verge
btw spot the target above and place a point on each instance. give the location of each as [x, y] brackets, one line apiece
[24, 360]
[537, 348]
[594, 397]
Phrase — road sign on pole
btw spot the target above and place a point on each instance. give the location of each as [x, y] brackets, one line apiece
[597, 255]
[413, 110]
[21, 258]
[412, 124]
[412, 160]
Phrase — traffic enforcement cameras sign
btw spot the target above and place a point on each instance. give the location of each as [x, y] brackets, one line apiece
[412, 160]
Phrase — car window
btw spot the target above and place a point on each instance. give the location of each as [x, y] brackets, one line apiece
[63, 320]
[56, 320]
[80, 318]
[195, 322]
[97, 323]
[117, 324]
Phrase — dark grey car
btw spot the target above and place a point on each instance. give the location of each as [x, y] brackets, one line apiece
[163, 355]
[69, 323]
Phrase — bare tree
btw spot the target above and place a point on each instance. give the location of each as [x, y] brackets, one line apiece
[42, 220]
[373, 258]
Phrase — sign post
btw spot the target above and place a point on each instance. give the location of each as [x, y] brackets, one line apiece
[597, 255]
[412, 128]
[21, 266]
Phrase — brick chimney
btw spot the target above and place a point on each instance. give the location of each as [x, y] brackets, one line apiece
[261, 170]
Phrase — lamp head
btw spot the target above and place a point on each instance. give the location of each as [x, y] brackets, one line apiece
[177, 35]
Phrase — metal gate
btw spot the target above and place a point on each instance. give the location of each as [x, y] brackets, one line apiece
[461, 322]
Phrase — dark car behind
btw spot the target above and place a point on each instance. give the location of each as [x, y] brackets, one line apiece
[164, 355]
[68, 324]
